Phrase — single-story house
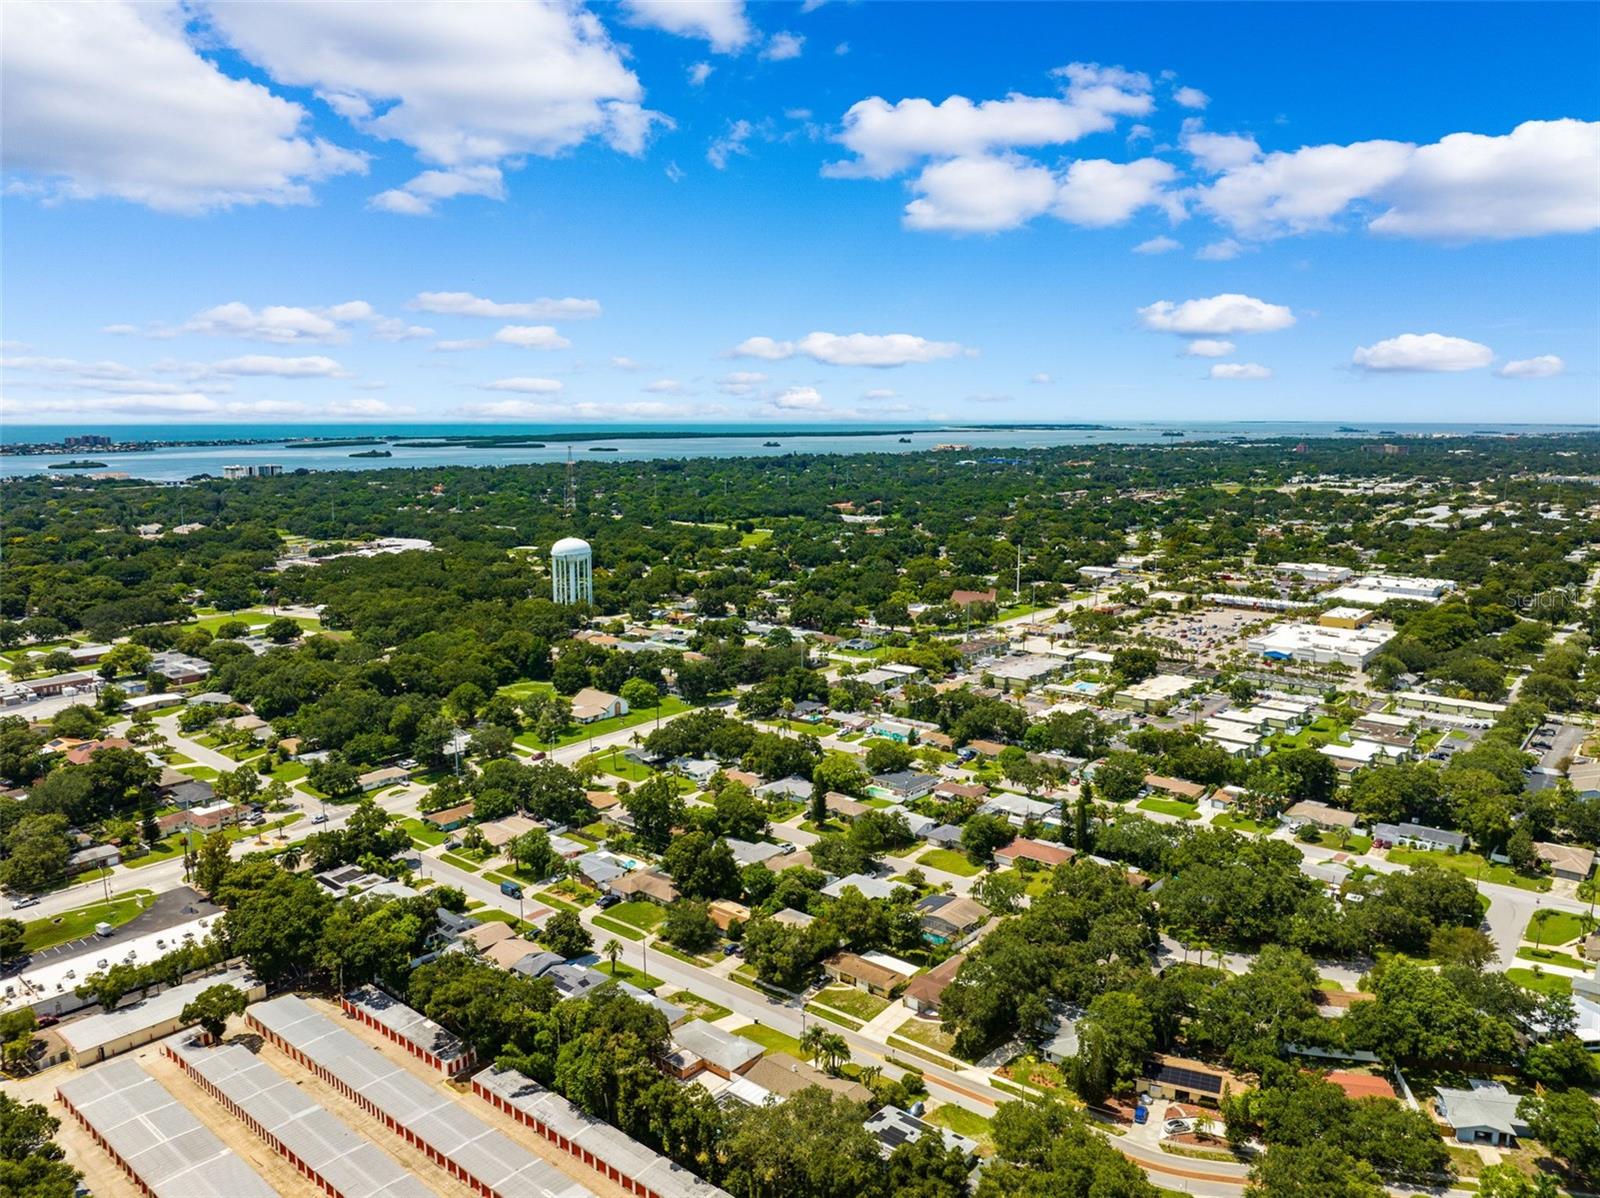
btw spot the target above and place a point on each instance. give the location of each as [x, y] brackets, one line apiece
[1362, 1085]
[599, 869]
[986, 748]
[450, 818]
[790, 918]
[905, 785]
[752, 852]
[536, 964]
[589, 705]
[855, 970]
[786, 788]
[645, 884]
[723, 1053]
[1566, 860]
[869, 886]
[390, 775]
[191, 792]
[101, 856]
[1484, 1114]
[1417, 836]
[923, 992]
[1017, 810]
[725, 913]
[1585, 778]
[1179, 1080]
[844, 807]
[1319, 815]
[946, 836]
[508, 954]
[781, 1075]
[1038, 851]
[960, 790]
[1178, 788]
[743, 777]
[1062, 1040]
[575, 981]
[488, 934]
[892, 1127]
[950, 918]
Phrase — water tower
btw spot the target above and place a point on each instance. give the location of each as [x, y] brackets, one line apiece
[572, 571]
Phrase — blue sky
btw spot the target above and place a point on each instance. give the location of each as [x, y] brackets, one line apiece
[786, 212]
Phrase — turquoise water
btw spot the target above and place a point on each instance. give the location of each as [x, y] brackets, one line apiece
[630, 442]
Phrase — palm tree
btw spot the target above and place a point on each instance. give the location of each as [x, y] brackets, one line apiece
[811, 1041]
[835, 1052]
[290, 857]
[870, 1074]
[612, 950]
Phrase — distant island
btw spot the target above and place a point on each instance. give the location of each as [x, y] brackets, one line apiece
[372, 453]
[335, 444]
[80, 464]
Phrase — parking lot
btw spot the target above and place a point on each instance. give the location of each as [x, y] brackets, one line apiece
[1207, 632]
[165, 911]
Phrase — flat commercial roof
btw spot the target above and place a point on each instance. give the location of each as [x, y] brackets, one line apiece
[595, 1136]
[157, 1138]
[354, 1166]
[408, 1025]
[111, 1026]
[427, 1112]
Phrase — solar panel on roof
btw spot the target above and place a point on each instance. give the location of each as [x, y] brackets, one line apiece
[1191, 1079]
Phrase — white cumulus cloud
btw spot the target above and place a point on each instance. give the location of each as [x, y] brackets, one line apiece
[1545, 366]
[1218, 314]
[851, 349]
[113, 100]
[1207, 347]
[419, 196]
[464, 303]
[784, 46]
[511, 79]
[1239, 370]
[741, 382]
[528, 386]
[1191, 97]
[1157, 245]
[532, 336]
[315, 366]
[723, 23]
[1541, 178]
[888, 138]
[1423, 352]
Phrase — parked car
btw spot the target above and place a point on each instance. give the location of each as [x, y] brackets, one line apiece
[733, 950]
[26, 900]
[607, 900]
[1176, 1127]
[1141, 1114]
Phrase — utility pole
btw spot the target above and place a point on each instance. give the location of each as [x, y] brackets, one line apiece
[571, 503]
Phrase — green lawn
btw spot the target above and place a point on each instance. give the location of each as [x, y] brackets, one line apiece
[627, 973]
[640, 913]
[1472, 865]
[700, 1008]
[1240, 823]
[950, 861]
[771, 1039]
[254, 617]
[461, 862]
[756, 536]
[961, 1121]
[611, 761]
[854, 1002]
[1549, 983]
[1550, 956]
[40, 934]
[162, 850]
[670, 705]
[927, 1034]
[1557, 927]
[201, 773]
[424, 831]
[1171, 807]
[521, 690]
[626, 931]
